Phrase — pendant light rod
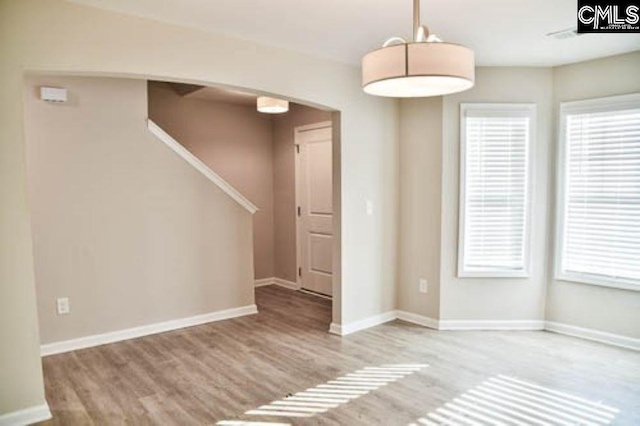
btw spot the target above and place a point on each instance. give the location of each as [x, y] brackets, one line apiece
[420, 32]
[416, 19]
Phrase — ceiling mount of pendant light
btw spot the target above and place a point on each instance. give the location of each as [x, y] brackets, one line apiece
[269, 105]
[427, 66]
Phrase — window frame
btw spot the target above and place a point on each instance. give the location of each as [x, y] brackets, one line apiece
[611, 103]
[526, 109]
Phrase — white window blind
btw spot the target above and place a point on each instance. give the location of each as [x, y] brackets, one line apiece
[494, 196]
[599, 226]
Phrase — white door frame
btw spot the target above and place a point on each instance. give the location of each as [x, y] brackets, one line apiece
[296, 131]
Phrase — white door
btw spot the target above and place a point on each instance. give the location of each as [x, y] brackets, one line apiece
[315, 207]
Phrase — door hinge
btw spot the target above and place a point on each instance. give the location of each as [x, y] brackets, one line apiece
[297, 148]
[299, 272]
[299, 211]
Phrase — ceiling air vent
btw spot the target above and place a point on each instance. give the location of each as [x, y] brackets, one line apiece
[564, 34]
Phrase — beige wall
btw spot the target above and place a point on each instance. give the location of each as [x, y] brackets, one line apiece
[54, 35]
[539, 297]
[430, 141]
[497, 298]
[600, 308]
[122, 225]
[235, 141]
[21, 384]
[420, 204]
[284, 185]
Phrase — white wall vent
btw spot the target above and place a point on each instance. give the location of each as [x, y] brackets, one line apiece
[53, 94]
[564, 34]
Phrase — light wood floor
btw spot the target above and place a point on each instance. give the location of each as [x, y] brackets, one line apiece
[218, 371]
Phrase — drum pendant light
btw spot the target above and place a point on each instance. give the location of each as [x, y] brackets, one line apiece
[269, 105]
[425, 67]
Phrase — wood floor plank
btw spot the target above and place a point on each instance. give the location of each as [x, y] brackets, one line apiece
[221, 370]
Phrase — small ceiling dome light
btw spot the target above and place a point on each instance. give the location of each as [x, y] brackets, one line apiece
[425, 67]
[269, 105]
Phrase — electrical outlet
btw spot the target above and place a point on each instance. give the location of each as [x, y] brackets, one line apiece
[423, 286]
[62, 305]
[369, 205]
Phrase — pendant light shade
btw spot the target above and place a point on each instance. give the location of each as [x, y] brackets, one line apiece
[425, 67]
[269, 105]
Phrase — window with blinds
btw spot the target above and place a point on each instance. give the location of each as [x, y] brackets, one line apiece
[599, 192]
[495, 189]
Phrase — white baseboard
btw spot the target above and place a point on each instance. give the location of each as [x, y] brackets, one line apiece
[344, 329]
[487, 325]
[417, 319]
[595, 335]
[27, 416]
[490, 325]
[264, 281]
[352, 327]
[145, 330]
[335, 329]
[286, 284]
[277, 281]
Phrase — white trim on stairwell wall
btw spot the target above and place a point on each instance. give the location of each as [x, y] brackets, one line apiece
[26, 416]
[261, 282]
[200, 166]
[145, 330]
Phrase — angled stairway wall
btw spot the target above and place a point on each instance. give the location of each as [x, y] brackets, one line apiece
[254, 152]
[235, 141]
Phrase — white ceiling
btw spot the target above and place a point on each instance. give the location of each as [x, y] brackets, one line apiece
[502, 32]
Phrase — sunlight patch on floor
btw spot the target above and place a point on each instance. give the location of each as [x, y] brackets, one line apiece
[247, 423]
[336, 392]
[504, 400]
[331, 394]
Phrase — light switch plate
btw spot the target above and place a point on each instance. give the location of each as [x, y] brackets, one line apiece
[423, 285]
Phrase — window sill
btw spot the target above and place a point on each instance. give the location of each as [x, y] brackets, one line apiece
[598, 281]
[493, 274]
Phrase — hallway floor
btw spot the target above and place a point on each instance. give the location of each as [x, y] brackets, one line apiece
[283, 367]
